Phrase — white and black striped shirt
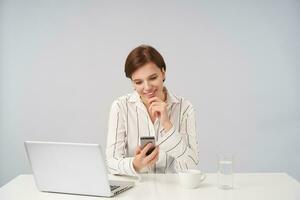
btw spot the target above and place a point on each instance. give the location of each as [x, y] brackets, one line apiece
[129, 119]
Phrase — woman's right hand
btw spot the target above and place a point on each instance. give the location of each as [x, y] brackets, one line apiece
[141, 160]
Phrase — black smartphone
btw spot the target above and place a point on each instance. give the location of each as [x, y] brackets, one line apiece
[144, 140]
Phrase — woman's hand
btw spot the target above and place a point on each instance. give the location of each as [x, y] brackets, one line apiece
[141, 160]
[158, 109]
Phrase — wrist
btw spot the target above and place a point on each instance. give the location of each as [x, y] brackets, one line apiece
[167, 125]
[135, 166]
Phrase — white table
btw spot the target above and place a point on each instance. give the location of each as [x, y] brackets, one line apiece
[255, 186]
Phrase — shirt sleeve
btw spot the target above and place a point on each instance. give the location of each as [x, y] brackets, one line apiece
[181, 143]
[117, 161]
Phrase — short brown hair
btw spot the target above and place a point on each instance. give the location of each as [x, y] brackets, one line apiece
[140, 56]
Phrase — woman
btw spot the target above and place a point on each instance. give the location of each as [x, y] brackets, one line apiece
[151, 110]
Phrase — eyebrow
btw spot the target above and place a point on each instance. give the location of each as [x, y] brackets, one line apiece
[147, 77]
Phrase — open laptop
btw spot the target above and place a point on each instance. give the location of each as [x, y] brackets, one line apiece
[72, 168]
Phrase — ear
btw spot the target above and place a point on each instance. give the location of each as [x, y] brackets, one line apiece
[164, 75]
[133, 86]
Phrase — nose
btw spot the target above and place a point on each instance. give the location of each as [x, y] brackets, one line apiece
[147, 85]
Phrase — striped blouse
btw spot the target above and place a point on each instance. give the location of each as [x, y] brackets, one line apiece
[129, 119]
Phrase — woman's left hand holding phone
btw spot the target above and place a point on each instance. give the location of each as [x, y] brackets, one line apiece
[141, 160]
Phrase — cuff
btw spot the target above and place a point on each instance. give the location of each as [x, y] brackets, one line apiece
[134, 173]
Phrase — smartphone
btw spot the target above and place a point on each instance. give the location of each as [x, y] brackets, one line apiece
[144, 140]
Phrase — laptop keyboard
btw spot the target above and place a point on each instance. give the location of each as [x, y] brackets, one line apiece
[113, 187]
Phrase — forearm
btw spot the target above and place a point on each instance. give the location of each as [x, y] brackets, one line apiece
[182, 147]
[122, 166]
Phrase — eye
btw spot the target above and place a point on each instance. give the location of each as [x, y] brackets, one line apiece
[138, 83]
[153, 78]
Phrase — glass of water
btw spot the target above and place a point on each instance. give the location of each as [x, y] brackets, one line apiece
[225, 172]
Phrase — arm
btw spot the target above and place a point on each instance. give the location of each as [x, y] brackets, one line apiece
[117, 160]
[181, 143]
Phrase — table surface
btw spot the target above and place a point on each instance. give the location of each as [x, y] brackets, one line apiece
[266, 186]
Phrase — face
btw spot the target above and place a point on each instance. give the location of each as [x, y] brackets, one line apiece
[148, 81]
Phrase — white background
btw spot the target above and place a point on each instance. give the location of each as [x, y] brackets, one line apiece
[62, 64]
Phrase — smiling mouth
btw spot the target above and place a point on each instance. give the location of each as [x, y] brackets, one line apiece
[150, 94]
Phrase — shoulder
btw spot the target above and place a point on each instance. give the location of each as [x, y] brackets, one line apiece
[181, 101]
[185, 102]
[123, 99]
[184, 105]
[121, 102]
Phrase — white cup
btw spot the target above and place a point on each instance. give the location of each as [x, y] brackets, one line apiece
[191, 178]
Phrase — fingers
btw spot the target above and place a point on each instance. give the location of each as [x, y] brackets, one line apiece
[141, 160]
[145, 149]
[154, 160]
[154, 99]
[155, 109]
[137, 150]
[155, 105]
[152, 156]
[154, 112]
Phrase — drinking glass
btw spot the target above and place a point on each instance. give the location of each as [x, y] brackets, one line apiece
[225, 172]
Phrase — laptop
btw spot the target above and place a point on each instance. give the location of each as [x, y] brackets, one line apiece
[72, 168]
